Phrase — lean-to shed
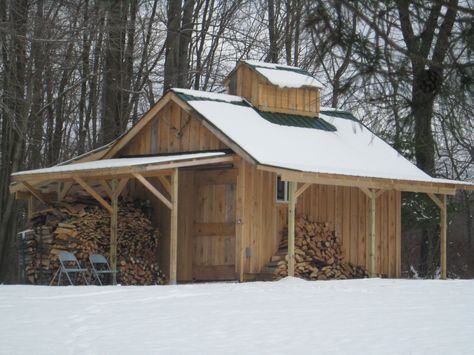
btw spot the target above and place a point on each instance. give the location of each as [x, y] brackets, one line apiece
[227, 172]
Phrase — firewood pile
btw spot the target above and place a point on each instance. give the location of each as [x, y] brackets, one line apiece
[84, 229]
[318, 254]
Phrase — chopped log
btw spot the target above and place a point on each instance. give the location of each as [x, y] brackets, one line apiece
[318, 254]
[84, 229]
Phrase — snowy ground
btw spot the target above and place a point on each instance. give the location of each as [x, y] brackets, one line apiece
[287, 317]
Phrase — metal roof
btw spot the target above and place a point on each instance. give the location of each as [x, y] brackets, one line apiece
[285, 119]
[282, 119]
[340, 114]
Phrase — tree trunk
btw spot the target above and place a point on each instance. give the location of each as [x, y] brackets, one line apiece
[85, 72]
[272, 55]
[15, 113]
[184, 43]
[112, 90]
[172, 45]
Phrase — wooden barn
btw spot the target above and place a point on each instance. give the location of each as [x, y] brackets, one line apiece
[227, 173]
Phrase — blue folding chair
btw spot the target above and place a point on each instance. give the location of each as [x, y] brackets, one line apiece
[100, 267]
[68, 264]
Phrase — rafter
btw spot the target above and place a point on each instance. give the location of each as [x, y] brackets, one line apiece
[153, 190]
[39, 195]
[93, 193]
[302, 189]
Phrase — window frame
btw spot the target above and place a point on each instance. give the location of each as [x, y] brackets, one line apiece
[285, 190]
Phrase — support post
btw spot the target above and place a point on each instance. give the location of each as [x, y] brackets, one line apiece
[443, 232]
[174, 228]
[291, 227]
[30, 207]
[443, 211]
[372, 209]
[114, 231]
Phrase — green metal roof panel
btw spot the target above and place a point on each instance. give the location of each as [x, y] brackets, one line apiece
[340, 114]
[290, 120]
[282, 119]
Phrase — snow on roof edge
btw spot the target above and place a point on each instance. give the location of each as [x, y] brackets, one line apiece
[423, 178]
[209, 95]
[431, 180]
[258, 63]
[118, 162]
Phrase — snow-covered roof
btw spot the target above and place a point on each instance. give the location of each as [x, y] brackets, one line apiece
[351, 149]
[283, 75]
[210, 95]
[118, 163]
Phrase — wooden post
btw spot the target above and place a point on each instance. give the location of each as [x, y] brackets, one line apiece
[291, 227]
[174, 227]
[30, 207]
[114, 231]
[443, 210]
[443, 231]
[372, 209]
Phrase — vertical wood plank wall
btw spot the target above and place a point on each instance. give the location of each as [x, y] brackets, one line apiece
[262, 218]
[173, 130]
[257, 235]
[346, 209]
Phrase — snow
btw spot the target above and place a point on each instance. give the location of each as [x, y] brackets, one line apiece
[352, 150]
[209, 95]
[284, 75]
[371, 316]
[257, 63]
[117, 163]
[288, 79]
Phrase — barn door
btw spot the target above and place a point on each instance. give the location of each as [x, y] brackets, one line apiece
[214, 225]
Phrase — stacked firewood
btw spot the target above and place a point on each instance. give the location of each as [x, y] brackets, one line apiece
[84, 229]
[318, 254]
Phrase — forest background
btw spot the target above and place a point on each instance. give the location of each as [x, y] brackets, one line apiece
[74, 74]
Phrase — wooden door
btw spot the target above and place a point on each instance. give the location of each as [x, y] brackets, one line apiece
[214, 225]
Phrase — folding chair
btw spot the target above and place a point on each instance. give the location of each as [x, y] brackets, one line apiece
[100, 267]
[69, 265]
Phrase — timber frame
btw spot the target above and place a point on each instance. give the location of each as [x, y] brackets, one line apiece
[113, 182]
[251, 179]
[373, 188]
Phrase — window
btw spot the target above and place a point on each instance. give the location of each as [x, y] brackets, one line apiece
[282, 190]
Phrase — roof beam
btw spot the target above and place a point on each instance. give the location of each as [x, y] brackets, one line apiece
[64, 190]
[122, 171]
[121, 186]
[93, 193]
[165, 182]
[153, 190]
[366, 191]
[437, 201]
[39, 195]
[302, 189]
[105, 185]
[360, 181]
[369, 192]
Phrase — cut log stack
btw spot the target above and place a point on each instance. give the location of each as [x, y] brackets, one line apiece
[318, 254]
[84, 229]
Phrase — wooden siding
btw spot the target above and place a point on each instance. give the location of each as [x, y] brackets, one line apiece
[259, 219]
[268, 97]
[257, 236]
[213, 236]
[173, 130]
[346, 209]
